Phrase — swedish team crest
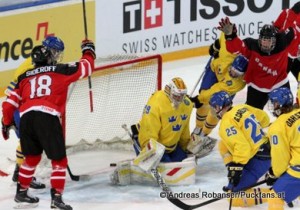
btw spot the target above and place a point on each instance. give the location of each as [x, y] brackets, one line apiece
[184, 117]
[172, 119]
[176, 127]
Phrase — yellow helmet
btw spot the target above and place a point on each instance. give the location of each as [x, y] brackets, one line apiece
[176, 91]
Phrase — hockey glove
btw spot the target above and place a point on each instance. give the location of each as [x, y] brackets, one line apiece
[214, 49]
[195, 100]
[228, 28]
[270, 177]
[88, 46]
[234, 173]
[5, 130]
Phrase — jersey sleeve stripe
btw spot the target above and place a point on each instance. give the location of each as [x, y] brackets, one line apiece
[15, 94]
[12, 102]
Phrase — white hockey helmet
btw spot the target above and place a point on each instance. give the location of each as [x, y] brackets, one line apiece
[176, 91]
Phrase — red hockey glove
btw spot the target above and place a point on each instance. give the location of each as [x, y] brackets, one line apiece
[88, 46]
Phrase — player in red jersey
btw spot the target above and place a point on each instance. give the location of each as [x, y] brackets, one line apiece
[288, 18]
[40, 95]
[268, 59]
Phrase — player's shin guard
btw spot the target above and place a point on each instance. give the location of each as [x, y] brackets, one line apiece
[210, 123]
[58, 176]
[27, 170]
[274, 202]
[201, 115]
[251, 197]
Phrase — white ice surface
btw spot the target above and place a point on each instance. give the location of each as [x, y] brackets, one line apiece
[98, 193]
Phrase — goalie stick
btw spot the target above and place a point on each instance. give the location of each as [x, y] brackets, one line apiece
[159, 179]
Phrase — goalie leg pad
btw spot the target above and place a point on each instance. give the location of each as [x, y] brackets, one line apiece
[175, 173]
[121, 175]
[150, 156]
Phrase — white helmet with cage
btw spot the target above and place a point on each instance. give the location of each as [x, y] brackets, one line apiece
[176, 91]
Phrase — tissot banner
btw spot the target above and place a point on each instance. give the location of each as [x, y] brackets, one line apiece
[162, 26]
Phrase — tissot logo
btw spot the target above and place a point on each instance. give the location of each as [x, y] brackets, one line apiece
[132, 15]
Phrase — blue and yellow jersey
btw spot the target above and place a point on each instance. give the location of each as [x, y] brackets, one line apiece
[284, 135]
[241, 132]
[220, 66]
[27, 64]
[162, 122]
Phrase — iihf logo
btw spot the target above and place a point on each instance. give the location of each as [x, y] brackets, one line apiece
[132, 15]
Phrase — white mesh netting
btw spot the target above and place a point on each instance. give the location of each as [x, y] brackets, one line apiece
[121, 86]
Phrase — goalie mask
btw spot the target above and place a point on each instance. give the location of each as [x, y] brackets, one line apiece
[176, 91]
[56, 48]
[281, 101]
[220, 102]
[267, 38]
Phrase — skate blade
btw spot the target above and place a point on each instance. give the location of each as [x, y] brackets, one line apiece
[26, 205]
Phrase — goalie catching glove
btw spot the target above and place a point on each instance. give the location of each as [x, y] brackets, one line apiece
[88, 46]
[150, 156]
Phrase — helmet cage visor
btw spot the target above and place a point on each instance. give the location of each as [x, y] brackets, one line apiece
[56, 55]
[275, 108]
[267, 44]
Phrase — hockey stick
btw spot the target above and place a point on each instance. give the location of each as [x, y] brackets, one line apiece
[87, 177]
[199, 79]
[159, 179]
[72, 176]
[230, 201]
[86, 37]
[216, 199]
[2, 173]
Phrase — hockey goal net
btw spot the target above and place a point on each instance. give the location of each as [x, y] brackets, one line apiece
[121, 86]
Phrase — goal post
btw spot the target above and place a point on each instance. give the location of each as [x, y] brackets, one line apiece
[121, 88]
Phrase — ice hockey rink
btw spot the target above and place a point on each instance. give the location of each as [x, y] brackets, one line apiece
[97, 193]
